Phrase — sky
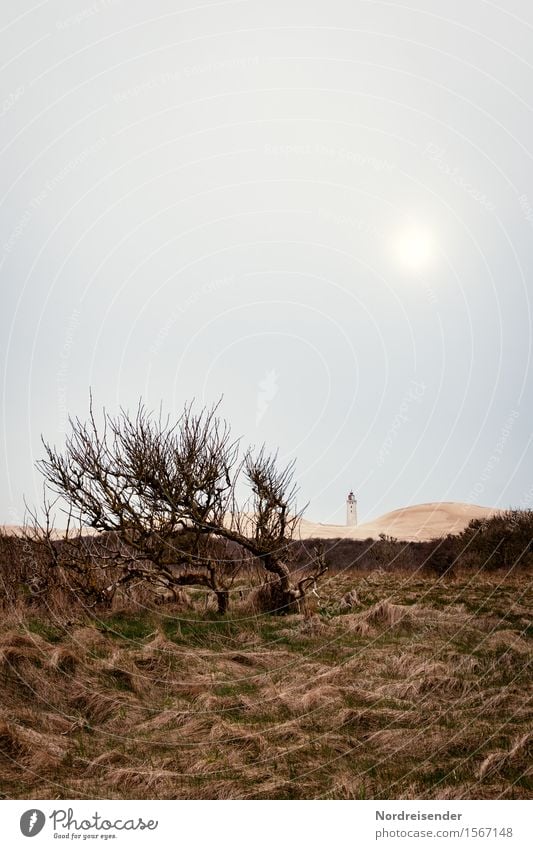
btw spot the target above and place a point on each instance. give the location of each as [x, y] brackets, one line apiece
[322, 212]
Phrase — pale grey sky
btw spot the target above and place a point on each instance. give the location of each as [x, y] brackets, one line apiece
[323, 211]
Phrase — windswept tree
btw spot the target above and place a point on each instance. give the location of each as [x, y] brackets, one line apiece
[167, 497]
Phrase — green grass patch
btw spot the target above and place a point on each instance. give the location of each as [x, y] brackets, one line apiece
[201, 631]
[128, 626]
[49, 632]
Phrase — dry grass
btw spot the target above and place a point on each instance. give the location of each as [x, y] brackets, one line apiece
[416, 689]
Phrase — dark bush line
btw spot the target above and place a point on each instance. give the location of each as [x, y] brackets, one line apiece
[360, 555]
[29, 576]
[504, 541]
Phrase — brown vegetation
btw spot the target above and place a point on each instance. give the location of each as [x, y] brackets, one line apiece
[503, 541]
[420, 688]
[164, 498]
[144, 661]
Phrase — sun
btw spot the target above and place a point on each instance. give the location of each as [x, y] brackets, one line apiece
[413, 247]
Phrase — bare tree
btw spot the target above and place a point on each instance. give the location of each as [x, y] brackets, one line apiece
[166, 496]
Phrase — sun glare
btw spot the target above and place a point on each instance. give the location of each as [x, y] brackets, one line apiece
[413, 248]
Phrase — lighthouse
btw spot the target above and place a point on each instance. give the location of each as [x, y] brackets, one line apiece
[351, 510]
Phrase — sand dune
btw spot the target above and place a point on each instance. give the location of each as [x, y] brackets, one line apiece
[10, 529]
[420, 522]
[18, 531]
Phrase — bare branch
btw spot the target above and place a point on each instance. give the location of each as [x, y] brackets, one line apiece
[165, 493]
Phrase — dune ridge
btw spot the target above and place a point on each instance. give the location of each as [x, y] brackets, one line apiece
[418, 522]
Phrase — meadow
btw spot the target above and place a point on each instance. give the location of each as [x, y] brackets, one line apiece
[389, 684]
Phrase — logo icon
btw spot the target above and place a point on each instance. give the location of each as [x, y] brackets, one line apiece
[266, 392]
[32, 822]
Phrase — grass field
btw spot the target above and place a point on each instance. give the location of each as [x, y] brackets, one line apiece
[420, 689]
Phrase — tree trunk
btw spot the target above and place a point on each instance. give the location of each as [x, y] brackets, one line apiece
[284, 595]
[222, 601]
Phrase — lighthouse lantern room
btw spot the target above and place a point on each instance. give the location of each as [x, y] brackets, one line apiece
[351, 509]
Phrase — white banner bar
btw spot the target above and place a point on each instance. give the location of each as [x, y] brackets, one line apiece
[264, 825]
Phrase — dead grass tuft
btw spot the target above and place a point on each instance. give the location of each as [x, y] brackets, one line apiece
[349, 600]
[11, 746]
[89, 639]
[95, 706]
[64, 659]
[519, 754]
[103, 762]
[143, 782]
[388, 615]
[503, 640]
[17, 649]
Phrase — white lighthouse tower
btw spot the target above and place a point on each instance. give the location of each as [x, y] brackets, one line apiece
[351, 510]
